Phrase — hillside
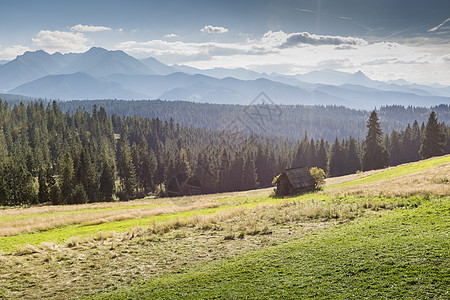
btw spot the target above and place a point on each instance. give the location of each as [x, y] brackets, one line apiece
[232, 244]
[327, 122]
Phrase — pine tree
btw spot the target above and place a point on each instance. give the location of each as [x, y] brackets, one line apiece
[417, 136]
[44, 189]
[311, 155]
[396, 153]
[107, 184]
[235, 174]
[322, 158]
[182, 166]
[408, 151]
[249, 177]
[353, 161]
[149, 166]
[67, 178]
[87, 176]
[337, 159]
[375, 154]
[79, 195]
[433, 139]
[127, 169]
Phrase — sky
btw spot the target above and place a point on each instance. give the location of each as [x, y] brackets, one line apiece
[386, 39]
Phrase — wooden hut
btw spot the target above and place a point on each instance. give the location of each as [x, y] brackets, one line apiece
[295, 181]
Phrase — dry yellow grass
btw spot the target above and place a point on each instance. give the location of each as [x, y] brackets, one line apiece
[10, 227]
[40, 218]
[428, 182]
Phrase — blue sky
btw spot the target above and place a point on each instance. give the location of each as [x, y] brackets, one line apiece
[386, 39]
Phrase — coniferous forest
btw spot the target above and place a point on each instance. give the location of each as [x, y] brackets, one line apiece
[47, 156]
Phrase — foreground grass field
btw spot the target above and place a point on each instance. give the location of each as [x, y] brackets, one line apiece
[404, 254]
[365, 235]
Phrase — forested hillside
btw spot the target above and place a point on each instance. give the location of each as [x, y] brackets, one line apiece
[79, 157]
[327, 122]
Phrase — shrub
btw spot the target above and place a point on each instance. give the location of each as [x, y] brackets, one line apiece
[319, 177]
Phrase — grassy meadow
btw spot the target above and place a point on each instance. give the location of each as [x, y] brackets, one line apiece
[378, 234]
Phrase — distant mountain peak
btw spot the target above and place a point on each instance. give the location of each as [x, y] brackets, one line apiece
[97, 50]
[33, 53]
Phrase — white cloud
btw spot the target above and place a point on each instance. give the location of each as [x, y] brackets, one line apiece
[274, 39]
[214, 29]
[302, 38]
[89, 28]
[171, 35]
[60, 41]
[10, 53]
[380, 60]
[439, 26]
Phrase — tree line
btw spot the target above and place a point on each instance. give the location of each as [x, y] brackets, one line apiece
[327, 122]
[47, 156]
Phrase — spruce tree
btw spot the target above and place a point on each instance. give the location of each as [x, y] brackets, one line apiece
[107, 184]
[44, 189]
[127, 169]
[67, 178]
[353, 161]
[337, 159]
[396, 151]
[433, 139]
[322, 158]
[375, 154]
[249, 177]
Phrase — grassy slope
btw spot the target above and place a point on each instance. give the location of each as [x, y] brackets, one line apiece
[64, 233]
[396, 171]
[403, 254]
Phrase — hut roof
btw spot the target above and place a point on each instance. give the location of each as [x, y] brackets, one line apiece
[299, 177]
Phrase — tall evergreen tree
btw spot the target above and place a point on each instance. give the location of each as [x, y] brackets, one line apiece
[395, 151]
[337, 159]
[353, 161]
[44, 189]
[249, 177]
[127, 169]
[322, 158]
[67, 178]
[107, 185]
[433, 139]
[87, 175]
[375, 155]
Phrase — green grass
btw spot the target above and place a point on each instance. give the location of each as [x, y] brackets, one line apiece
[396, 172]
[401, 254]
[62, 234]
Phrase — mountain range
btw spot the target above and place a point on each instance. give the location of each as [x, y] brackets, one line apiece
[103, 74]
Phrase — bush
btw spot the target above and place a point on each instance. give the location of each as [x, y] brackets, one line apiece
[319, 177]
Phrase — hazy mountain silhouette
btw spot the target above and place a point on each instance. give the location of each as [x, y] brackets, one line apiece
[158, 67]
[101, 62]
[99, 73]
[75, 86]
[27, 67]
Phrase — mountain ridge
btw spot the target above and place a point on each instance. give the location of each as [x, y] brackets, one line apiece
[38, 74]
